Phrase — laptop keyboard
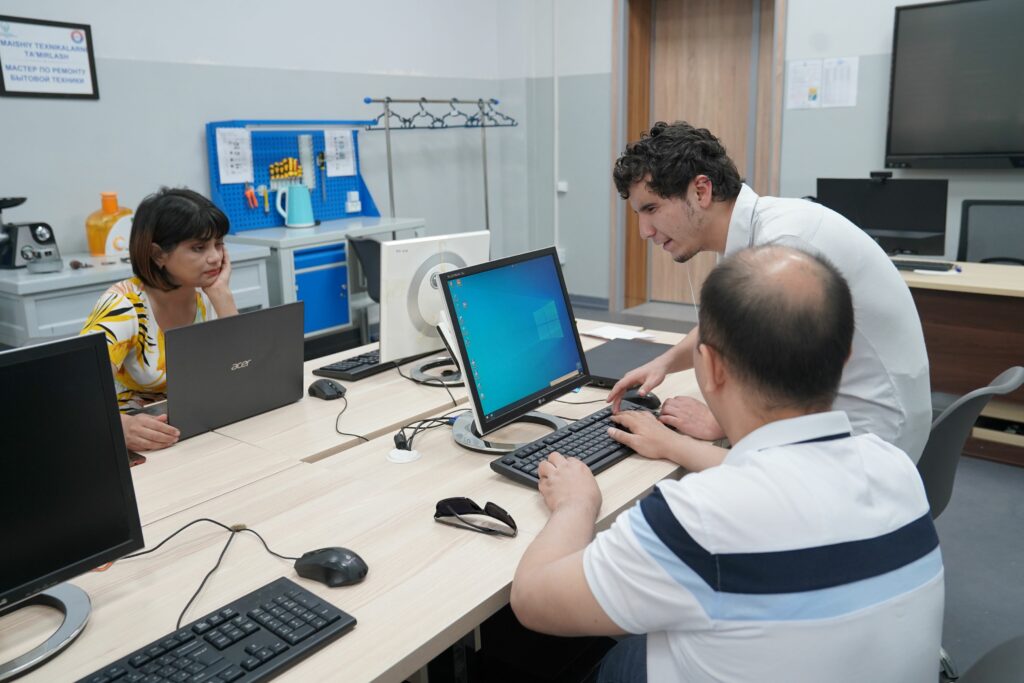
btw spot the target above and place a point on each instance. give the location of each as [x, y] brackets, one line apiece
[586, 439]
[355, 368]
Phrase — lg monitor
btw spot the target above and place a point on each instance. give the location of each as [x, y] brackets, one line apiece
[512, 327]
[904, 216]
[68, 504]
[411, 300]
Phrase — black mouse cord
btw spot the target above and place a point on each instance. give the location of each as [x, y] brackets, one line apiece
[337, 421]
[234, 529]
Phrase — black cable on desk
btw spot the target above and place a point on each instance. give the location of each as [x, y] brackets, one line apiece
[237, 529]
[337, 420]
[432, 382]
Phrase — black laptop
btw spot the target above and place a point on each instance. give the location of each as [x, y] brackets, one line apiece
[225, 370]
[609, 362]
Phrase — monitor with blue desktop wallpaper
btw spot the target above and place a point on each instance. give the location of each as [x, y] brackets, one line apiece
[516, 335]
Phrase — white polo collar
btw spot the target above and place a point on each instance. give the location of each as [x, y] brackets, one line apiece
[816, 426]
[741, 231]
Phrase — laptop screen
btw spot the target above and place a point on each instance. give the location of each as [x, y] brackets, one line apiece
[516, 333]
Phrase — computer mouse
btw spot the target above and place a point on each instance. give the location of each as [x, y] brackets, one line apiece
[650, 401]
[327, 389]
[332, 566]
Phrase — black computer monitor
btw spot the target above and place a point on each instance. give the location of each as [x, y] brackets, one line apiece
[905, 216]
[68, 504]
[515, 335]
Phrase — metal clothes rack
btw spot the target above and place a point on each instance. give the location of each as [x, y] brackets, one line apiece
[486, 116]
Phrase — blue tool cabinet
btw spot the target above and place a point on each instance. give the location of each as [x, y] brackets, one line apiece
[311, 265]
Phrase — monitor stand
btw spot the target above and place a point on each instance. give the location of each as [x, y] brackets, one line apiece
[466, 435]
[451, 377]
[69, 599]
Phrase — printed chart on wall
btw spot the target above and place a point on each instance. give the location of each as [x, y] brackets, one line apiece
[46, 59]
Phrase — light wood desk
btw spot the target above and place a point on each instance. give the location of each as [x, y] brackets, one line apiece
[973, 325]
[429, 584]
[305, 430]
[377, 405]
[198, 469]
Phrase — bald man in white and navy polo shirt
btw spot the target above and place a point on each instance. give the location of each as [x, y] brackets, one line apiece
[809, 554]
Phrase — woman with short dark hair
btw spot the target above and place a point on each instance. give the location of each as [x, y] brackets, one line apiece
[181, 277]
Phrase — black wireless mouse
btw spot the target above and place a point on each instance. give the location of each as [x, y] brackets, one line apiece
[326, 389]
[650, 401]
[332, 566]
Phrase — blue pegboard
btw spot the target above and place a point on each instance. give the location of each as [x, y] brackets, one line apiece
[272, 145]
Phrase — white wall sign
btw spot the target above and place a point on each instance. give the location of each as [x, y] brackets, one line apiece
[46, 59]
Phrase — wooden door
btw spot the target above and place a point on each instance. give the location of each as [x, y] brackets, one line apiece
[701, 71]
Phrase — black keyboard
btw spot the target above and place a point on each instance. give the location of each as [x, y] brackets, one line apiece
[253, 638]
[364, 365]
[355, 368]
[921, 264]
[586, 439]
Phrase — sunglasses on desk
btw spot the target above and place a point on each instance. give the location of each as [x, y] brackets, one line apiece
[464, 513]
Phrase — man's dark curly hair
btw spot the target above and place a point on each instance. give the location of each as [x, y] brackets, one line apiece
[673, 155]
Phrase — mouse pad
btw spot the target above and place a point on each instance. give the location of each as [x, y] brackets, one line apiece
[609, 362]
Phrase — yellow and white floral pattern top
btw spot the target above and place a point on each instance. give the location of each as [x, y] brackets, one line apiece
[135, 341]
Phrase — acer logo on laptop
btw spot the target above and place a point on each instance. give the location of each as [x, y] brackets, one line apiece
[241, 364]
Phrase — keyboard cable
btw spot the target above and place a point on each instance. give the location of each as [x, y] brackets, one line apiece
[234, 530]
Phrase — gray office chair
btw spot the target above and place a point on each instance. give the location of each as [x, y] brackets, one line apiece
[992, 231]
[941, 456]
[1002, 664]
[367, 250]
[949, 433]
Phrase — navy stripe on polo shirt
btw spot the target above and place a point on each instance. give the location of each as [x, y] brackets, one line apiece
[791, 571]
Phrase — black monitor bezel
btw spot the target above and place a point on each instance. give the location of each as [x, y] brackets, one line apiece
[511, 413]
[962, 159]
[96, 343]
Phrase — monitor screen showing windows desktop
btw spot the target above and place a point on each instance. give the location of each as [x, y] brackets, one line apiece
[516, 335]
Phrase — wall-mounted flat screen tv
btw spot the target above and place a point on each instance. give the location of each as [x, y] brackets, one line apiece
[956, 96]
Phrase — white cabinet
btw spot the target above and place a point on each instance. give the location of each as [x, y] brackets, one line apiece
[36, 307]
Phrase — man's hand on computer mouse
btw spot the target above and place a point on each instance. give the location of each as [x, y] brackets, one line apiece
[689, 416]
[648, 376]
[567, 481]
[147, 432]
[647, 436]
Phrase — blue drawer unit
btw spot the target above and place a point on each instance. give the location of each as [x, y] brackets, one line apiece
[321, 281]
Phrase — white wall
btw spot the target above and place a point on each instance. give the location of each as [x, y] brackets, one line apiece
[816, 29]
[165, 70]
[444, 38]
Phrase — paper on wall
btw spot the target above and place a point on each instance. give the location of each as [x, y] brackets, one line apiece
[803, 84]
[839, 82]
[339, 153]
[234, 155]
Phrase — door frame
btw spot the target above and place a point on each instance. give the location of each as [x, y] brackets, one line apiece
[632, 38]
